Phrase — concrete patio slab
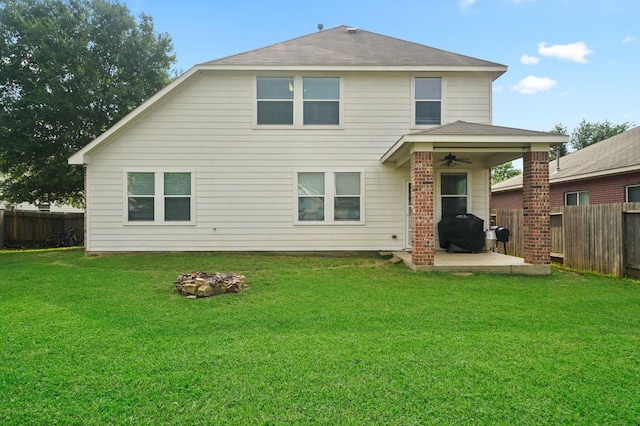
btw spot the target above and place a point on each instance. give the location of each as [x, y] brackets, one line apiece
[485, 263]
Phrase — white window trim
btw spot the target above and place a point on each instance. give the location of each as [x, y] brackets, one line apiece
[158, 198]
[438, 191]
[298, 104]
[626, 192]
[413, 100]
[329, 197]
[578, 195]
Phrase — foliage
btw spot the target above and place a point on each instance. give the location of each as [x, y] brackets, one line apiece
[344, 339]
[562, 150]
[588, 133]
[503, 172]
[69, 69]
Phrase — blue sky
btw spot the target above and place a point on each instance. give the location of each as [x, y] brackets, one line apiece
[568, 59]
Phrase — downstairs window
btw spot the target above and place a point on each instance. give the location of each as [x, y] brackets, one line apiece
[159, 197]
[329, 197]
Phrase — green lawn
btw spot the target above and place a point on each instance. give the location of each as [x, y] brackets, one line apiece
[332, 340]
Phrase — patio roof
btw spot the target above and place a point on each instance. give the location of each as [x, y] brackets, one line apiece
[498, 144]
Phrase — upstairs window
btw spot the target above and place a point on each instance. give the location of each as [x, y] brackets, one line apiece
[298, 101]
[428, 101]
[578, 198]
[275, 100]
[321, 98]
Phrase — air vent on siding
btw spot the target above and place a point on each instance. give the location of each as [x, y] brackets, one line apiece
[352, 30]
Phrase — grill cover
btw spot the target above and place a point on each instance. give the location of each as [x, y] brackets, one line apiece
[461, 233]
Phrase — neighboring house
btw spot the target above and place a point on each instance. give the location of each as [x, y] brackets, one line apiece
[332, 141]
[47, 207]
[43, 207]
[605, 172]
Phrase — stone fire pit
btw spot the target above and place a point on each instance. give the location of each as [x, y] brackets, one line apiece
[202, 284]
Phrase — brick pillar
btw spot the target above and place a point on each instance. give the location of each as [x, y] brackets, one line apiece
[422, 222]
[535, 201]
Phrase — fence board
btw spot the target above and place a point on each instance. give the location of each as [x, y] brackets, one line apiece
[513, 220]
[603, 238]
[631, 213]
[31, 228]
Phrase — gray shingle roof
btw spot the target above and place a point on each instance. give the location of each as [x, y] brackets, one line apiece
[614, 155]
[476, 129]
[342, 46]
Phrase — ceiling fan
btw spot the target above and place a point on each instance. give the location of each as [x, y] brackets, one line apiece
[452, 160]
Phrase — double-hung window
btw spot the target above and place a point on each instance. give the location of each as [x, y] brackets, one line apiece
[159, 197]
[428, 101]
[453, 193]
[329, 197]
[298, 101]
[578, 198]
[633, 194]
[321, 100]
[275, 100]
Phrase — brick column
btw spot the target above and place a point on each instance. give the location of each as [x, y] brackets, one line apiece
[535, 202]
[422, 222]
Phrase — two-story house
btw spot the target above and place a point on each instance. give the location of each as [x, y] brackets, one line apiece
[339, 140]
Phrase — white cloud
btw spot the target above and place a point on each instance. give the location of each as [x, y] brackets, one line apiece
[628, 39]
[529, 60]
[571, 52]
[531, 85]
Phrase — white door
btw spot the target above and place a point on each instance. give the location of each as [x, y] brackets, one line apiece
[407, 216]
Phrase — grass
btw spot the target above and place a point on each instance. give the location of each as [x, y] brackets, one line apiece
[348, 339]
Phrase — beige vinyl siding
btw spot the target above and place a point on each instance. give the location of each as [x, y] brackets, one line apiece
[244, 175]
[467, 98]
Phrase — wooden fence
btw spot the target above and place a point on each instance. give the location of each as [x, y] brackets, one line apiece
[603, 238]
[20, 228]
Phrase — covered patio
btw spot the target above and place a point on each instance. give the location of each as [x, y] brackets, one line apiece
[472, 149]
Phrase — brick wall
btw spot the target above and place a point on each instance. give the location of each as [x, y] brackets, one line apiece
[535, 203]
[602, 190]
[507, 199]
[422, 202]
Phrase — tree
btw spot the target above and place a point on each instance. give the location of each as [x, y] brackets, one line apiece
[503, 172]
[69, 69]
[589, 133]
[560, 150]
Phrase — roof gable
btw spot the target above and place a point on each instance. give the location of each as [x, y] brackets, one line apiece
[345, 46]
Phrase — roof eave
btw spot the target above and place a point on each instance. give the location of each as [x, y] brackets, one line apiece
[496, 71]
[572, 178]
